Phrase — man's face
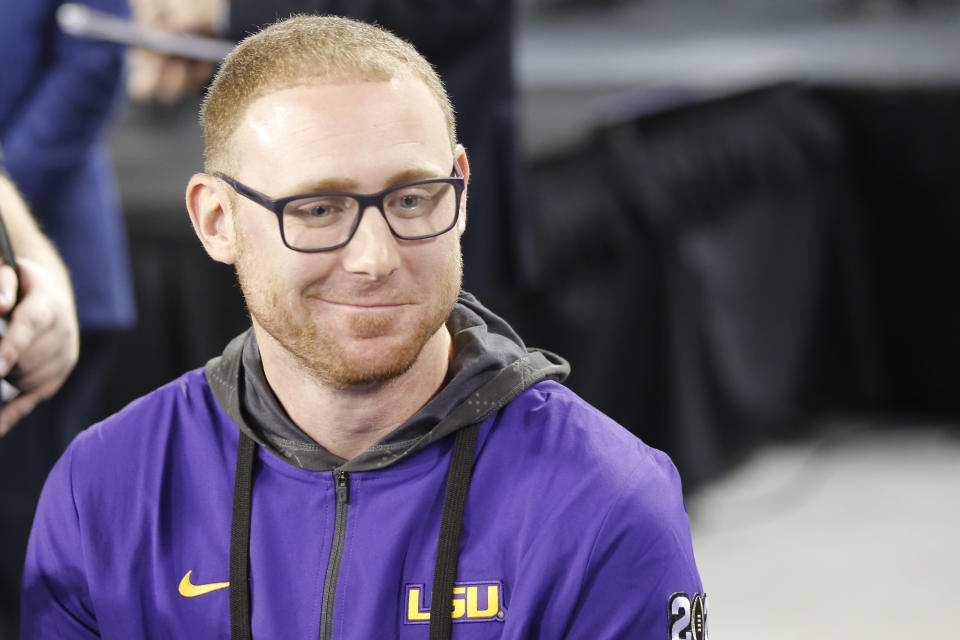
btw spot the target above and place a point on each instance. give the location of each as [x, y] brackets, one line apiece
[362, 313]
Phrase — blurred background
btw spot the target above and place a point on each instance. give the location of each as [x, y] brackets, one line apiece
[739, 223]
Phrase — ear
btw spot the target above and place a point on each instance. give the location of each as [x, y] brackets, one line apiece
[211, 215]
[460, 157]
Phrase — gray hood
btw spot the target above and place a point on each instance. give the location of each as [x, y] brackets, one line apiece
[491, 366]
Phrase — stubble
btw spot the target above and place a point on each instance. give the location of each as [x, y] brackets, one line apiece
[285, 316]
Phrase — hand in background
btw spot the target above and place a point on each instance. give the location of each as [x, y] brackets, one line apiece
[156, 76]
[42, 340]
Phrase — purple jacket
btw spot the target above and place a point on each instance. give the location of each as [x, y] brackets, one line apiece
[573, 529]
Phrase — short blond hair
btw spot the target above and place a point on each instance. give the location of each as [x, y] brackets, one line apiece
[301, 50]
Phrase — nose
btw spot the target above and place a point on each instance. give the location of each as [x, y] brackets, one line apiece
[373, 251]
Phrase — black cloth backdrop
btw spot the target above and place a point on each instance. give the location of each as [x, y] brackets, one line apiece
[906, 170]
[689, 265]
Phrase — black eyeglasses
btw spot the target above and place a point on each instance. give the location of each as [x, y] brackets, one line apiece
[314, 222]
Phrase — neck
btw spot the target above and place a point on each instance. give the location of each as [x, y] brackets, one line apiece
[346, 421]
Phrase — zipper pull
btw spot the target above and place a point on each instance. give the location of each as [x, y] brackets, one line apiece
[343, 487]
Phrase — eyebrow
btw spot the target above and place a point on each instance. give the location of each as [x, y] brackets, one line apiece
[349, 185]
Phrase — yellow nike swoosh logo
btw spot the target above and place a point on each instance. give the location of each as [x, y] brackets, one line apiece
[189, 590]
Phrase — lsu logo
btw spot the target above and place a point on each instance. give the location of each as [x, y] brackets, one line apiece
[688, 617]
[472, 602]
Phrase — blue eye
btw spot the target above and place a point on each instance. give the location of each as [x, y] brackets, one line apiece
[319, 211]
[409, 201]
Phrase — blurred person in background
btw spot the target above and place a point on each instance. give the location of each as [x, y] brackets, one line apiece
[470, 42]
[57, 94]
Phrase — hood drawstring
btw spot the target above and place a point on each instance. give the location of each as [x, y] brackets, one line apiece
[240, 540]
[448, 545]
[451, 521]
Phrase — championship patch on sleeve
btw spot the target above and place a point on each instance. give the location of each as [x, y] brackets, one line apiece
[688, 617]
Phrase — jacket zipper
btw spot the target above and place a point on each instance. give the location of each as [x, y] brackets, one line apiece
[342, 481]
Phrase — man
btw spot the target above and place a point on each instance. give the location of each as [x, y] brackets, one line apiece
[399, 462]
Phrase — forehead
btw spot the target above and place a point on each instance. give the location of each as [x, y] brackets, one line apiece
[351, 129]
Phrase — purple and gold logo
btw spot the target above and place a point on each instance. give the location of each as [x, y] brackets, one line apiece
[472, 602]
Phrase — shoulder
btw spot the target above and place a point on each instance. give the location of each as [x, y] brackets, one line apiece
[596, 485]
[186, 394]
[180, 417]
[566, 448]
[148, 454]
[117, 491]
[579, 436]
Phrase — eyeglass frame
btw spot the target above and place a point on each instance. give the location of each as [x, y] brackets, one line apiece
[364, 202]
